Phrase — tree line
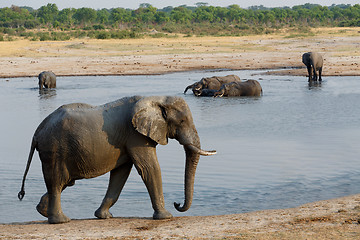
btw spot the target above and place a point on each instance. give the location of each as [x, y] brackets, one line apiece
[201, 19]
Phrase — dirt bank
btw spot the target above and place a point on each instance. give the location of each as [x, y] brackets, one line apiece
[330, 219]
[340, 48]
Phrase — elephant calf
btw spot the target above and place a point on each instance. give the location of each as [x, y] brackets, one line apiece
[79, 141]
[313, 62]
[211, 83]
[234, 89]
[47, 79]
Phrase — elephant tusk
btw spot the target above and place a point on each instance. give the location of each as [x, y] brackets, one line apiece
[200, 151]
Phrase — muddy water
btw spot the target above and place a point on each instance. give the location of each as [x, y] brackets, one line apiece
[295, 144]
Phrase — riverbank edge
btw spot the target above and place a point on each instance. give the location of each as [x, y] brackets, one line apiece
[328, 219]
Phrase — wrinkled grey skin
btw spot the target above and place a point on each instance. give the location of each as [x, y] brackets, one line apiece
[47, 79]
[314, 62]
[235, 89]
[212, 83]
[79, 141]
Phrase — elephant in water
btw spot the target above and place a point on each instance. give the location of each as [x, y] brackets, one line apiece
[79, 141]
[207, 92]
[47, 79]
[234, 89]
[212, 83]
[313, 62]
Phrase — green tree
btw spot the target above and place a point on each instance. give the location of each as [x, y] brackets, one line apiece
[15, 17]
[65, 16]
[220, 14]
[161, 17]
[204, 14]
[47, 14]
[120, 15]
[102, 16]
[145, 14]
[85, 15]
[181, 15]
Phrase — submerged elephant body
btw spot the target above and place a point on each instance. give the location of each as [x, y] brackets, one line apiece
[79, 141]
[210, 83]
[314, 63]
[235, 89]
[47, 79]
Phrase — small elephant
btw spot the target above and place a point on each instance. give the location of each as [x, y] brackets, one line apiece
[79, 141]
[47, 79]
[206, 92]
[234, 89]
[213, 83]
[313, 62]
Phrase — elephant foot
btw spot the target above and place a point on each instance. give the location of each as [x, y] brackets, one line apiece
[59, 218]
[103, 214]
[42, 207]
[164, 214]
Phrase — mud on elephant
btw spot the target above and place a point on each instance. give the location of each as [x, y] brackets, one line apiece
[313, 62]
[210, 83]
[234, 89]
[79, 141]
[47, 79]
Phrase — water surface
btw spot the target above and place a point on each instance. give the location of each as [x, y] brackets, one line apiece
[295, 144]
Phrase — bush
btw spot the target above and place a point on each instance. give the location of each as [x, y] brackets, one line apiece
[98, 27]
[103, 35]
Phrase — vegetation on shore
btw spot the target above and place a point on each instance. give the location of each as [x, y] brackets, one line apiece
[50, 23]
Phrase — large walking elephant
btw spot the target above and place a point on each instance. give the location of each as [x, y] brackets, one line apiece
[79, 141]
[47, 79]
[313, 62]
[234, 89]
[211, 83]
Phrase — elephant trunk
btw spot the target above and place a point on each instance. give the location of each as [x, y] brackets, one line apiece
[188, 87]
[192, 159]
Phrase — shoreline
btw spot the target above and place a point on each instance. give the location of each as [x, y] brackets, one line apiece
[328, 219]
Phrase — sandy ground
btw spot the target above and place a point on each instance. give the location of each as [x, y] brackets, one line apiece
[331, 219]
[340, 48]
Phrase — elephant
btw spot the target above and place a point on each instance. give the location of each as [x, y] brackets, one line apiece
[313, 62]
[247, 88]
[206, 92]
[213, 83]
[79, 141]
[47, 79]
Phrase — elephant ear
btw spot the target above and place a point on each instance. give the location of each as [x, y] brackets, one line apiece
[148, 119]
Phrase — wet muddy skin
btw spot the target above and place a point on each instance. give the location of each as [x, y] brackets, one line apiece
[297, 143]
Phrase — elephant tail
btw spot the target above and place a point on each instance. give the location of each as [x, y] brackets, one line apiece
[21, 194]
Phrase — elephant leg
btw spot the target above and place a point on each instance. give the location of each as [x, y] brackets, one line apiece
[117, 181]
[309, 72]
[320, 71]
[55, 185]
[147, 165]
[55, 213]
[42, 206]
[315, 75]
